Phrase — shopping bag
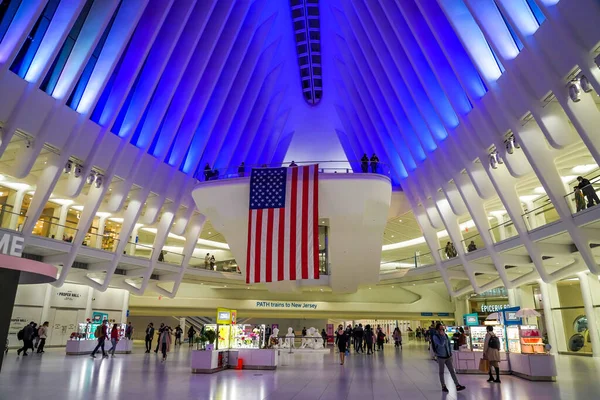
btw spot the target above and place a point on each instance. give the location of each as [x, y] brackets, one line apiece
[484, 365]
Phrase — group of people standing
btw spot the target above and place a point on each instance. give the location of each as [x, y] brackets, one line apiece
[365, 161]
[584, 190]
[362, 339]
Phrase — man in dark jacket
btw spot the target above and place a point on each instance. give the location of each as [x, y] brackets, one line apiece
[149, 337]
[364, 163]
[28, 332]
[374, 163]
[588, 190]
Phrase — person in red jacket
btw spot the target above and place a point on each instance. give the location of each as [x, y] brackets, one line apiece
[114, 339]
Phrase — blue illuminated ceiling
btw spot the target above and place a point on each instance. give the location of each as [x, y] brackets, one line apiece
[217, 81]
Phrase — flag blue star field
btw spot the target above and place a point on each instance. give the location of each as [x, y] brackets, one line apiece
[283, 224]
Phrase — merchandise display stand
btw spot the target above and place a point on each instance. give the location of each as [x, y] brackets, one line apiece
[211, 361]
[79, 347]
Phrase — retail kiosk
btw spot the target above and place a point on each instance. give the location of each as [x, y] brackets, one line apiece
[522, 350]
[83, 340]
[235, 342]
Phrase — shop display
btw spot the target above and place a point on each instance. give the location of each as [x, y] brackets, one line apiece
[478, 337]
[247, 336]
[524, 339]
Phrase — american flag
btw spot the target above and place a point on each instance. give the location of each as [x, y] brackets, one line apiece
[283, 225]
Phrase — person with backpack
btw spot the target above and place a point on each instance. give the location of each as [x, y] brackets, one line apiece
[100, 333]
[26, 335]
[491, 352]
[43, 334]
[440, 342]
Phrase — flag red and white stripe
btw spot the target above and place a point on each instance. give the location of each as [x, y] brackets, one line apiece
[283, 233]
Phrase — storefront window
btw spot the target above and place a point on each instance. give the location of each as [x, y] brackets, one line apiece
[574, 320]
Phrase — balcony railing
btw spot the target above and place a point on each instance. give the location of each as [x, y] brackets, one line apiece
[331, 167]
[503, 231]
[218, 266]
[170, 257]
[139, 250]
[541, 215]
[477, 243]
[11, 220]
[577, 199]
[50, 229]
[102, 242]
[448, 253]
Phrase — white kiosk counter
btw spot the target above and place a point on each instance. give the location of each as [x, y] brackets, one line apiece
[79, 347]
[534, 367]
[467, 362]
[210, 361]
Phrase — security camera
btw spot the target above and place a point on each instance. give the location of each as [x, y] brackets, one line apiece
[494, 160]
[585, 84]
[68, 167]
[28, 144]
[574, 92]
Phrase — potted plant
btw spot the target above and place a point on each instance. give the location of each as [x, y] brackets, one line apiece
[210, 336]
[201, 342]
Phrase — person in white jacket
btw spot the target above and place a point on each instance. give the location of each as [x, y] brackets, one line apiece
[43, 334]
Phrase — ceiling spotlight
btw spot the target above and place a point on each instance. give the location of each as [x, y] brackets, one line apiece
[99, 180]
[574, 92]
[510, 145]
[91, 177]
[78, 170]
[585, 84]
[68, 167]
[494, 160]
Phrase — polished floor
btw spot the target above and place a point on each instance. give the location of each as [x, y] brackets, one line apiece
[390, 375]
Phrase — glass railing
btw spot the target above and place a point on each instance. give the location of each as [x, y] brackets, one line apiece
[139, 250]
[218, 266]
[170, 257]
[473, 243]
[407, 262]
[11, 220]
[540, 215]
[424, 260]
[503, 231]
[581, 199]
[102, 242]
[448, 252]
[50, 229]
[331, 167]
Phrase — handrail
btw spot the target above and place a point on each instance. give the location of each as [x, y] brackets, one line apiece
[237, 171]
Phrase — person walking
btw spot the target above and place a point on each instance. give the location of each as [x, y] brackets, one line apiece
[397, 336]
[101, 334]
[360, 334]
[191, 333]
[589, 191]
[324, 336]
[161, 328]
[342, 340]
[129, 331]
[213, 265]
[178, 333]
[149, 336]
[43, 334]
[114, 339]
[430, 333]
[206, 261]
[369, 339]
[491, 353]
[364, 163]
[443, 351]
[348, 335]
[380, 339]
[27, 336]
[374, 163]
[164, 340]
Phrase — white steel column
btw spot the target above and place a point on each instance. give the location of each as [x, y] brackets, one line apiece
[88, 304]
[553, 319]
[125, 307]
[585, 281]
[18, 203]
[46, 306]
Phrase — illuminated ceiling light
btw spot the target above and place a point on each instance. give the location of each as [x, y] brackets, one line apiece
[209, 233]
[399, 220]
[586, 86]
[392, 235]
[78, 170]
[584, 169]
[99, 180]
[574, 92]
[392, 286]
[91, 178]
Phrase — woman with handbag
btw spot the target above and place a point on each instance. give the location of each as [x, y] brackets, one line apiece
[491, 353]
